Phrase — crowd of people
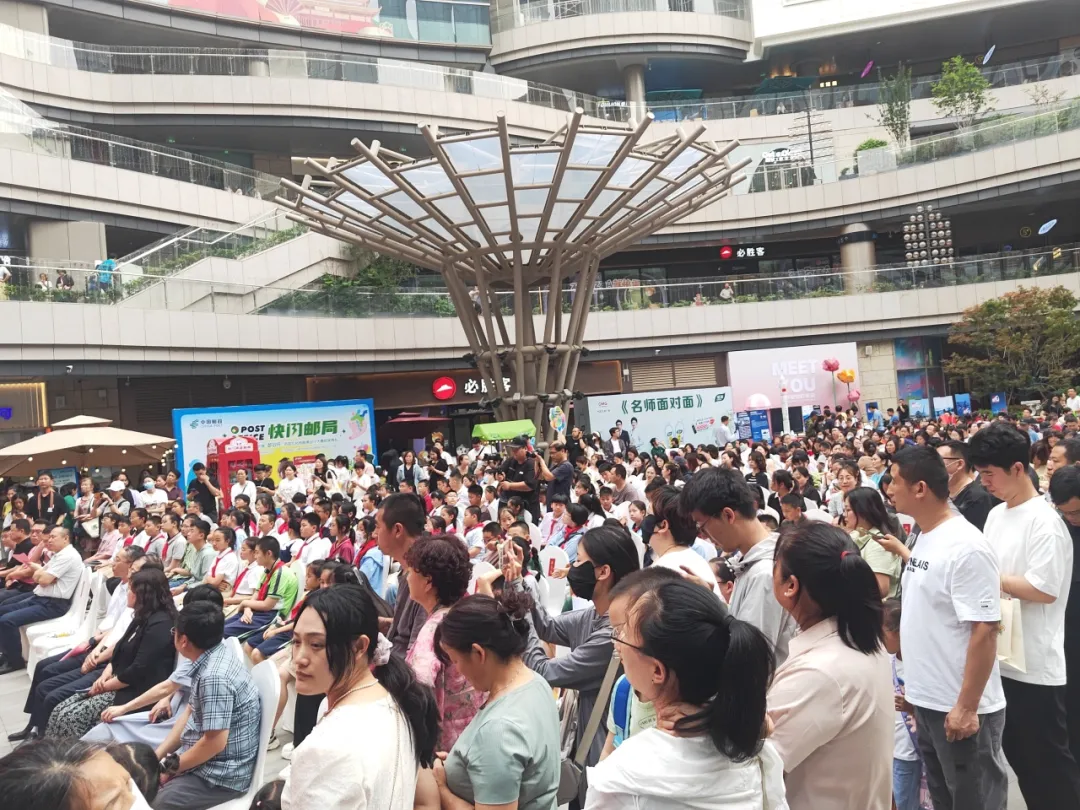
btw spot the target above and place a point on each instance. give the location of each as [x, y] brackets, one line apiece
[874, 613]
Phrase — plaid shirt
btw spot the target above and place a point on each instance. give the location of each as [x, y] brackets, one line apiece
[223, 696]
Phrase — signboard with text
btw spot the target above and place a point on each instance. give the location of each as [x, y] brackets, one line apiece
[686, 415]
[789, 376]
[295, 430]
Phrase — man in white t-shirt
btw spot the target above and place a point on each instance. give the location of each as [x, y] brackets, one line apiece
[152, 499]
[948, 632]
[1035, 555]
[1072, 401]
[673, 536]
[56, 584]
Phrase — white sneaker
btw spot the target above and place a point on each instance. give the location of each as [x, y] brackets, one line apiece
[286, 751]
[274, 742]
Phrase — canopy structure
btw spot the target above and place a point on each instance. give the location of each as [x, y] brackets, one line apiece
[502, 431]
[534, 220]
[95, 445]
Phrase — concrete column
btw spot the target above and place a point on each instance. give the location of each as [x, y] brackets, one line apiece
[857, 253]
[70, 241]
[30, 17]
[634, 79]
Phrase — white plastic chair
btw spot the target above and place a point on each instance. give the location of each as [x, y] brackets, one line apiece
[553, 558]
[479, 568]
[69, 622]
[265, 676]
[233, 644]
[534, 536]
[43, 643]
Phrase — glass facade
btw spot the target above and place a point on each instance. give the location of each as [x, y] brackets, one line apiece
[918, 368]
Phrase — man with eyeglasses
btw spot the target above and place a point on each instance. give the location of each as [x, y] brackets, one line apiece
[1065, 495]
[967, 494]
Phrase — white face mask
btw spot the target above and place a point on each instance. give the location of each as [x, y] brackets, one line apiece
[140, 802]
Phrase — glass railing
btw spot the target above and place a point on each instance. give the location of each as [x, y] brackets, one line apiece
[795, 173]
[334, 297]
[23, 129]
[191, 245]
[293, 64]
[398, 73]
[537, 11]
[865, 94]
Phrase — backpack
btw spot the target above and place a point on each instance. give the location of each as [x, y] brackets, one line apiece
[620, 710]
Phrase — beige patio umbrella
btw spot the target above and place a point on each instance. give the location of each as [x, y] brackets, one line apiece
[83, 441]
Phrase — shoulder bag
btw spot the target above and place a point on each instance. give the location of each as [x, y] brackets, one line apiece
[572, 768]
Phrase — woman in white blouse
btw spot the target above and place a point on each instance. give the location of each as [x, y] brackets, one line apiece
[338, 651]
[831, 701]
[290, 485]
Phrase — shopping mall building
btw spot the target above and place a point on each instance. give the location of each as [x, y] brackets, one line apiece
[156, 131]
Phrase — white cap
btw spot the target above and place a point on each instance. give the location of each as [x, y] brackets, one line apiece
[117, 486]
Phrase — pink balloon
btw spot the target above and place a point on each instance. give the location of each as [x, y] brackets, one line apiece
[830, 364]
[866, 70]
[853, 395]
[756, 402]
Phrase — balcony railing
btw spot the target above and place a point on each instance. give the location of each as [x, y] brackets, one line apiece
[398, 73]
[797, 172]
[338, 298]
[537, 11]
[23, 129]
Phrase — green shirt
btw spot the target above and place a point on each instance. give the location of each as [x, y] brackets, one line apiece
[879, 560]
[510, 751]
[284, 586]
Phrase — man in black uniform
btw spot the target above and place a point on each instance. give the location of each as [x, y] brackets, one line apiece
[520, 477]
[204, 489]
[46, 504]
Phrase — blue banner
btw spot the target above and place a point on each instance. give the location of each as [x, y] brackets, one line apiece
[920, 408]
[997, 402]
[760, 430]
[963, 404]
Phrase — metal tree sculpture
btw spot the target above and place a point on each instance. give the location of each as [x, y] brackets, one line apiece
[492, 217]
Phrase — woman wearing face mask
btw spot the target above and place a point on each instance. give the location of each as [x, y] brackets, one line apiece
[687, 656]
[605, 555]
[338, 651]
[51, 774]
[831, 701]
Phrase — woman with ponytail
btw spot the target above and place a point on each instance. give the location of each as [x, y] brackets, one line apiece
[831, 702]
[509, 754]
[338, 650]
[692, 660]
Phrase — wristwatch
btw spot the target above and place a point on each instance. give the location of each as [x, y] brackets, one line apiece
[170, 764]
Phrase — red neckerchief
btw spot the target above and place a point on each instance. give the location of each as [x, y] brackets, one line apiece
[129, 540]
[241, 576]
[165, 549]
[265, 587]
[364, 549]
[219, 558]
[296, 608]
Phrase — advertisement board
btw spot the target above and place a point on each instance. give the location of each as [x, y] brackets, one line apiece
[759, 426]
[920, 408]
[757, 376]
[294, 430]
[944, 405]
[686, 415]
[998, 402]
[963, 404]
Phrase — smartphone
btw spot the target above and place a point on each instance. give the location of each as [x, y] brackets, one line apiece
[501, 555]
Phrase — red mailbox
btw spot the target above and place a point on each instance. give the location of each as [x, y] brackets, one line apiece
[225, 456]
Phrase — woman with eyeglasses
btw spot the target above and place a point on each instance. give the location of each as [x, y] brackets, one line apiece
[706, 675]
